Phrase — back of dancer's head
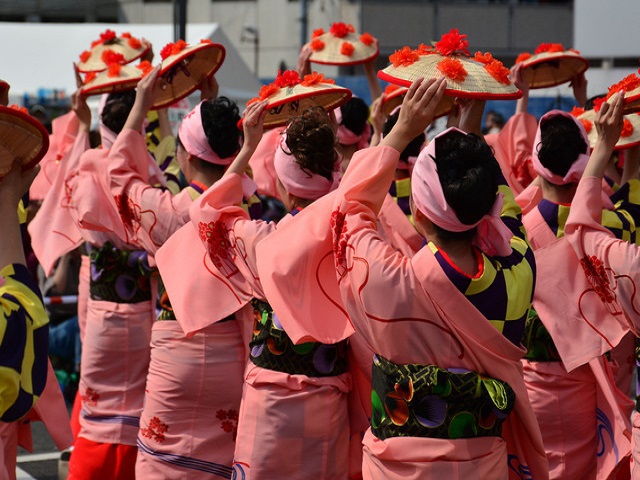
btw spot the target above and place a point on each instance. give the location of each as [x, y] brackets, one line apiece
[355, 114]
[560, 144]
[468, 173]
[312, 140]
[219, 120]
[415, 145]
[116, 110]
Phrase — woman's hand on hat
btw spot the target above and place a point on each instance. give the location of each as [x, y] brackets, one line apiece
[253, 124]
[82, 110]
[471, 111]
[609, 122]
[304, 65]
[579, 86]
[145, 98]
[377, 119]
[517, 77]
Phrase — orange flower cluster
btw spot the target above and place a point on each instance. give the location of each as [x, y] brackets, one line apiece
[627, 129]
[288, 78]
[113, 70]
[145, 66]
[84, 56]
[109, 56]
[134, 43]
[317, 32]
[549, 48]
[264, 92]
[172, 49]
[314, 78]
[425, 49]
[576, 111]
[317, 45]
[107, 36]
[586, 124]
[206, 40]
[498, 71]
[347, 49]
[404, 57]
[367, 39]
[19, 108]
[89, 77]
[453, 69]
[453, 42]
[627, 84]
[485, 58]
[341, 30]
[597, 103]
[523, 56]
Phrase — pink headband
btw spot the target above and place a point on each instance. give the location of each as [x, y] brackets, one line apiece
[298, 182]
[492, 236]
[347, 137]
[194, 140]
[577, 168]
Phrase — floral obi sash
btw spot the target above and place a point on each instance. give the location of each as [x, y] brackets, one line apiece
[272, 349]
[119, 276]
[428, 401]
[538, 341]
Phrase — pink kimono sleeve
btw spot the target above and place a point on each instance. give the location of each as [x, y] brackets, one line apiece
[149, 215]
[611, 265]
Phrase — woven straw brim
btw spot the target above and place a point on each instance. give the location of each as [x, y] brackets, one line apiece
[103, 83]
[291, 102]
[631, 101]
[181, 74]
[395, 99]
[477, 84]
[623, 142]
[550, 69]
[95, 63]
[22, 139]
[330, 54]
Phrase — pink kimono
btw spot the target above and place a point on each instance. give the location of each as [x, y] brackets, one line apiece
[610, 267]
[512, 148]
[188, 424]
[291, 425]
[575, 401]
[408, 312]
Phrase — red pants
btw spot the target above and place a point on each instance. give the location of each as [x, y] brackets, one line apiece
[102, 461]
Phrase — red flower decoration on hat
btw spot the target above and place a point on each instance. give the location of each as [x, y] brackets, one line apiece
[485, 58]
[109, 56]
[113, 70]
[367, 39]
[84, 56]
[341, 30]
[576, 111]
[498, 71]
[523, 56]
[172, 49]
[317, 45]
[317, 32]
[597, 103]
[404, 57]
[145, 66]
[453, 42]
[267, 90]
[315, 78]
[577, 52]
[588, 125]
[425, 49]
[627, 84]
[89, 77]
[453, 69]
[627, 129]
[288, 78]
[206, 40]
[134, 43]
[549, 48]
[19, 108]
[108, 36]
[126, 35]
[347, 49]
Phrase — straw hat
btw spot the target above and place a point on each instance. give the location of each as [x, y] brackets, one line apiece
[550, 65]
[184, 66]
[630, 136]
[110, 48]
[342, 46]
[481, 77]
[393, 96]
[22, 139]
[630, 85]
[289, 96]
[116, 78]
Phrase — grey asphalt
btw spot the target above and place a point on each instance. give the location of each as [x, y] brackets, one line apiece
[42, 443]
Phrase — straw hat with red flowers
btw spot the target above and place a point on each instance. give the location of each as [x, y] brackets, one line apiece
[110, 48]
[289, 96]
[22, 139]
[550, 65]
[630, 85]
[116, 78]
[630, 135]
[341, 45]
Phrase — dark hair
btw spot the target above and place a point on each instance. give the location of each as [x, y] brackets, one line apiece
[355, 114]
[560, 144]
[219, 120]
[498, 119]
[411, 150]
[590, 103]
[116, 110]
[312, 141]
[469, 175]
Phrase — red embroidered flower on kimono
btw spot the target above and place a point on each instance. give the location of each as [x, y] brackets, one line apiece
[341, 30]
[597, 276]
[523, 56]
[340, 239]
[214, 236]
[315, 78]
[453, 69]
[109, 56]
[228, 421]
[317, 32]
[317, 45]
[156, 430]
[367, 39]
[404, 57]
[627, 129]
[90, 397]
[498, 71]
[125, 209]
[453, 42]
[347, 49]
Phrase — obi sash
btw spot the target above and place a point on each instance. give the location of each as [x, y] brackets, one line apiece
[428, 401]
[272, 349]
[537, 339]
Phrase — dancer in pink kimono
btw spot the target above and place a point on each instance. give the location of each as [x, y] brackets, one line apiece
[293, 419]
[448, 396]
[582, 414]
[610, 265]
[120, 313]
[188, 424]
